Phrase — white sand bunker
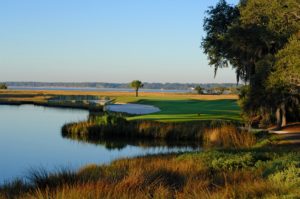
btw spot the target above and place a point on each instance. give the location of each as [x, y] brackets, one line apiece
[138, 109]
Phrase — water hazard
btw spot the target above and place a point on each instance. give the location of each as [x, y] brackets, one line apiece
[30, 138]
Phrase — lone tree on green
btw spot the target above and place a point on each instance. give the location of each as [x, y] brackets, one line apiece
[136, 84]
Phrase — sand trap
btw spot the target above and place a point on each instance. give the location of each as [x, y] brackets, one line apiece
[138, 109]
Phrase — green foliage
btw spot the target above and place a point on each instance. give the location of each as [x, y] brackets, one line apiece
[216, 26]
[278, 162]
[108, 119]
[276, 16]
[284, 83]
[289, 177]
[286, 77]
[252, 39]
[231, 162]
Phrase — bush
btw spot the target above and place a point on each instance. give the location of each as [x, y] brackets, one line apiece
[289, 177]
[233, 161]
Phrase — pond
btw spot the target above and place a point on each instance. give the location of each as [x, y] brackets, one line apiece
[30, 138]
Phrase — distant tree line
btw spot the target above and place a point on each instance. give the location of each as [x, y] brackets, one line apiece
[166, 86]
[3, 86]
[218, 90]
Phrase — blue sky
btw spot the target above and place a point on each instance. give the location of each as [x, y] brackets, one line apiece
[105, 41]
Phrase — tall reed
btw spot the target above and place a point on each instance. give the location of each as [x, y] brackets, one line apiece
[228, 136]
[108, 126]
[211, 174]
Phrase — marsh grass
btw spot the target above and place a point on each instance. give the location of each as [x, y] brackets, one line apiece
[211, 174]
[115, 126]
[14, 188]
[228, 136]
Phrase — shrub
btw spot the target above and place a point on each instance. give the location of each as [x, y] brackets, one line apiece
[233, 161]
[289, 177]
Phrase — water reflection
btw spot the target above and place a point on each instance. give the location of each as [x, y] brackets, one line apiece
[30, 137]
[112, 144]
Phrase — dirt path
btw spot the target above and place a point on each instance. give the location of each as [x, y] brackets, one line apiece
[289, 134]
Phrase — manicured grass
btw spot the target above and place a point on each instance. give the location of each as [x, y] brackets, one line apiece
[191, 110]
[175, 107]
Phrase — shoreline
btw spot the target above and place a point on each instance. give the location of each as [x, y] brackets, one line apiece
[52, 105]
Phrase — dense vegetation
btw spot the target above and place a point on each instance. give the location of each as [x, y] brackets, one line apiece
[109, 126]
[248, 173]
[260, 39]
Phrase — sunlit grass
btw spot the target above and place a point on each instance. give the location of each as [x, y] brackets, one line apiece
[175, 107]
[191, 110]
[110, 126]
[255, 173]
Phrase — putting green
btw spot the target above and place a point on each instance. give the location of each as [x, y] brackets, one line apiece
[191, 110]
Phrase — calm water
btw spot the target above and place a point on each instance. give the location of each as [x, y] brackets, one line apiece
[30, 138]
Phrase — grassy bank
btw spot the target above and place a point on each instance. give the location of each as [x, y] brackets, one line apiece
[252, 173]
[237, 164]
[109, 126]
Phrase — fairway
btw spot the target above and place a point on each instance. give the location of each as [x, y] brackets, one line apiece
[191, 110]
[175, 107]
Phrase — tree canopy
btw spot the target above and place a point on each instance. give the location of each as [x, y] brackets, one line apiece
[258, 38]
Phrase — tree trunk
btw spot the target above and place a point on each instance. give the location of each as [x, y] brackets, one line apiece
[283, 115]
[136, 93]
[278, 118]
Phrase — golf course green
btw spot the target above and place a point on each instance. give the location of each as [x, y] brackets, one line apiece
[191, 110]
